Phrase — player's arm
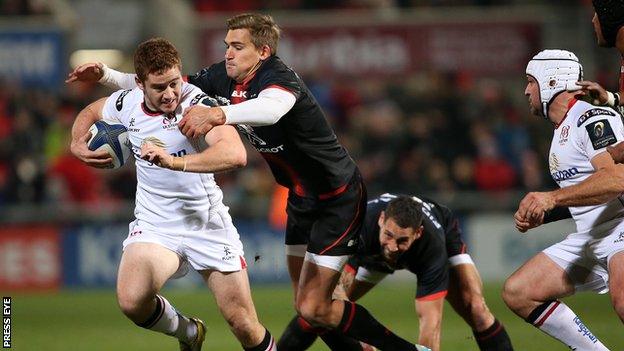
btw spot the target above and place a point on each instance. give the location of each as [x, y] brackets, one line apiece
[597, 95]
[604, 185]
[429, 313]
[225, 151]
[266, 109]
[80, 135]
[99, 72]
[350, 287]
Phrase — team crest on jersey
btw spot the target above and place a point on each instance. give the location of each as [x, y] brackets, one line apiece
[119, 102]
[170, 122]
[253, 138]
[563, 136]
[601, 134]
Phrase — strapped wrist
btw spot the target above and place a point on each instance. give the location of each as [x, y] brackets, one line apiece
[610, 99]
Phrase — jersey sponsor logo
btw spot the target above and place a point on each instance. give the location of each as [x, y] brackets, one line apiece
[593, 113]
[559, 176]
[253, 138]
[239, 94]
[563, 136]
[270, 150]
[119, 102]
[601, 134]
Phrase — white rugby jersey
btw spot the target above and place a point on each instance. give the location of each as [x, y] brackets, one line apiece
[165, 199]
[585, 131]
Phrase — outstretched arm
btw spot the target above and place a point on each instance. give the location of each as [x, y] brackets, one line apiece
[80, 135]
[99, 72]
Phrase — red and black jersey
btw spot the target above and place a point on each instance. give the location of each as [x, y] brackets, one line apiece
[427, 258]
[301, 148]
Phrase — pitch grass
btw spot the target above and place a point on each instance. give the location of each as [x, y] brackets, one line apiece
[91, 321]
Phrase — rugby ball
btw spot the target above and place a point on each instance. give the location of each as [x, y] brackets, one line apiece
[112, 138]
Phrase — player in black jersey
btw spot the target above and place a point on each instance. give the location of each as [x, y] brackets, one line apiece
[274, 109]
[403, 232]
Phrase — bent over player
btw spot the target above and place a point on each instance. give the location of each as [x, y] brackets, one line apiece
[275, 110]
[593, 257]
[180, 220]
[406, 232]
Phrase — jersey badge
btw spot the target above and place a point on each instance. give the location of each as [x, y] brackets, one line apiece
[563, 136]
[593, 113]
[601, 134]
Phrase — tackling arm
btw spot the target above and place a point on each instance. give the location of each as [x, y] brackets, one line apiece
[99, 72]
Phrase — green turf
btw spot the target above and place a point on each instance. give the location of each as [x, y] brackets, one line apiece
[78, 320]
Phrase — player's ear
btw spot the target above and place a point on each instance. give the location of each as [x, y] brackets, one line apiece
[265, 52]
[419, 232]
[382, 218]
[139, 83]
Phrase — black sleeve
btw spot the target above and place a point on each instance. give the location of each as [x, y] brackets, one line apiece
[204, 79]
[281, 77]
[557, 214]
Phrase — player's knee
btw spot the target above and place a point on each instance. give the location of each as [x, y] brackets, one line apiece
[513, 291]
[130, 304]
[314, 313]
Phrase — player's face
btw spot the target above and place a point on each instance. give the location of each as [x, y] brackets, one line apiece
[532, 92]
[599, 37]
[241, 55]
[162, 91]
[395, 240]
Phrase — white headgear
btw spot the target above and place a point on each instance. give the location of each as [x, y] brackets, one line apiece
[555, 71]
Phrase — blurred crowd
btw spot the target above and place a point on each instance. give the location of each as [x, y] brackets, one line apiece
[430, 132]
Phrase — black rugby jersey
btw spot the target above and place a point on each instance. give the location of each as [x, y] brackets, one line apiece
[301, 148]
[426, 258]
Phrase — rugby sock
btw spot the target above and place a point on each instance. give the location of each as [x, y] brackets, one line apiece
[359, 324]
[297, 336]
[494, 338]
[267, 344]
[167, 320]
[339, 342]
[559, 321]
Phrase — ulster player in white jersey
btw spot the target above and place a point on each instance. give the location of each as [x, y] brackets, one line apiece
[593, 257]
[181, 220]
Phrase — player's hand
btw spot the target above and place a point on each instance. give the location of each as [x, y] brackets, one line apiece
[616, 152]
[88, 72]
[533, 205]
[596, 94]
[523, 224]
[199, 120]
[156, 155]
[97, 159]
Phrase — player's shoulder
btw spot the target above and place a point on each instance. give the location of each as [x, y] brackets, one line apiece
[275, 67]
[127, 99]
[213, 71]
[584, 112]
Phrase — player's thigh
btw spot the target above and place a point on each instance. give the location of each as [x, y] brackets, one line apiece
[145, 267]
[232, 293]
[539, 279]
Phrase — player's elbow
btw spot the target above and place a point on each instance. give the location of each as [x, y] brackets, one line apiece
[238, 158]
[616, 174]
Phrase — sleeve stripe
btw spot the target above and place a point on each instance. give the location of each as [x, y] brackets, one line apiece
[434, 296]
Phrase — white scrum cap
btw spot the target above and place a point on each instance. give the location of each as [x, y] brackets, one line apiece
[555, 71]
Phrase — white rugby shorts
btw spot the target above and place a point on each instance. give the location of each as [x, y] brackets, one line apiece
[585, 255]
[215, 249]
